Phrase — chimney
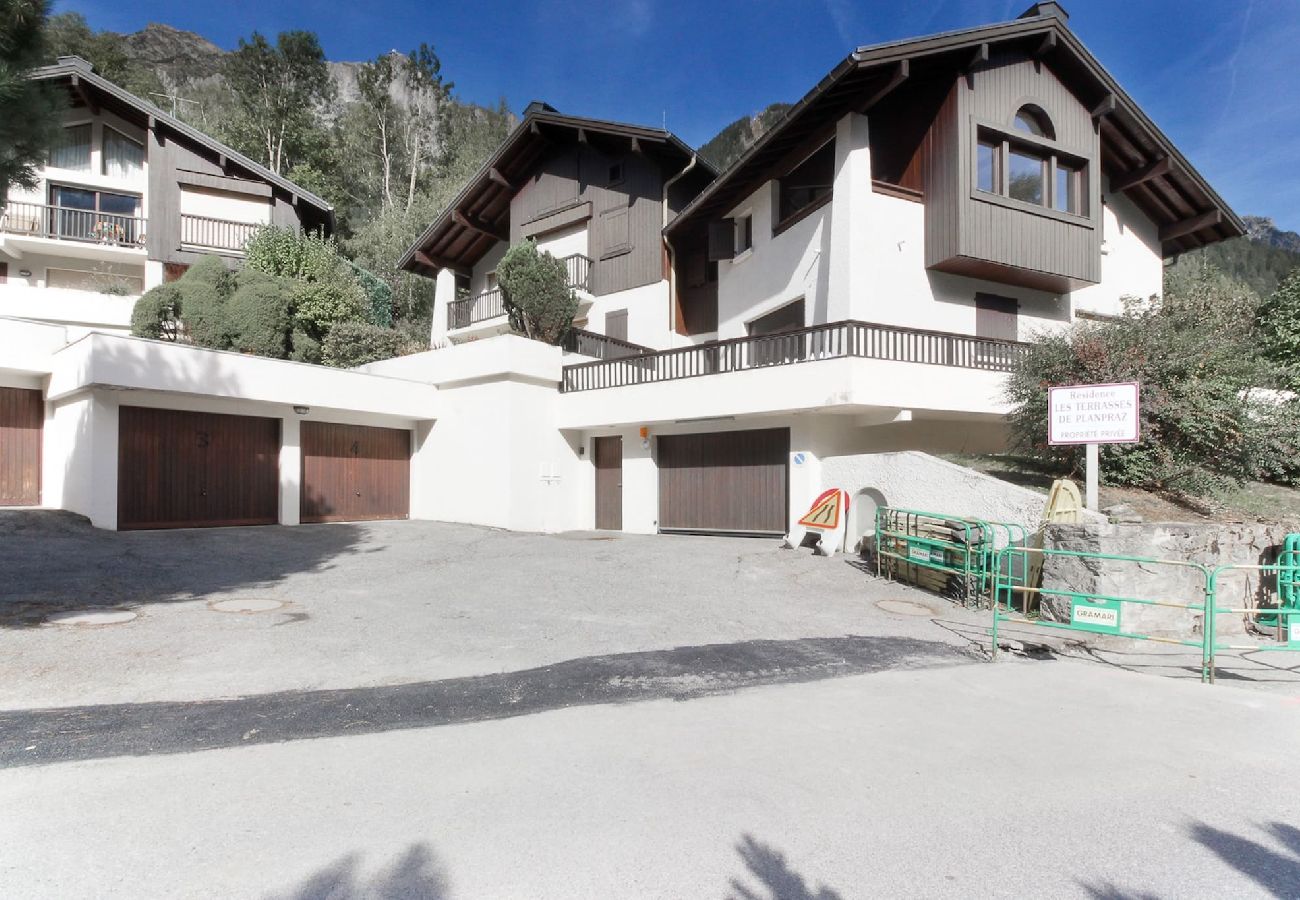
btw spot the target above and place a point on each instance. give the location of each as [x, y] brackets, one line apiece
[537, 106]
[1048, 8]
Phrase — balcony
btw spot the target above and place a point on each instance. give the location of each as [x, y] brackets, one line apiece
[201, 233]
[490, 305]
[846, 367]
[65, 231]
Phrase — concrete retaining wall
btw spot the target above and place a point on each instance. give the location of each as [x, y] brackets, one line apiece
[1208, 544]
[916, 480]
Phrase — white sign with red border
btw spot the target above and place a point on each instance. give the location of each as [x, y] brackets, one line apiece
[1093, 414]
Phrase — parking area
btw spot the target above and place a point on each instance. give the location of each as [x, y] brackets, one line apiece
[212, 613]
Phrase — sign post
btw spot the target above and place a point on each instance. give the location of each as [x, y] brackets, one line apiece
[1092, 415]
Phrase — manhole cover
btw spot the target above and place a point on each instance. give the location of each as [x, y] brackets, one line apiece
[245, 605]
[91, 617]
[904, 608]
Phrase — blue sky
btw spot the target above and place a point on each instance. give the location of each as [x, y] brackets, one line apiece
[1218, 76]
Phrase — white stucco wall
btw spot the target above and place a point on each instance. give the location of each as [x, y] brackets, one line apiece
[1131, 261]
[777, 270]
[478, 277]
[648, 314]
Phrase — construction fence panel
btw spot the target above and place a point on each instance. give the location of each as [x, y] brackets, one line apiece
[1097, 612]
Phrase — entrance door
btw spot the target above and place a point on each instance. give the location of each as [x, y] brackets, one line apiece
[731, 482]
[354, 473]
[21, 415]
[609, 483]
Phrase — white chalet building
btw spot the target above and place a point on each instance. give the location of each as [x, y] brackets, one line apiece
[859, 281]
[127, 200]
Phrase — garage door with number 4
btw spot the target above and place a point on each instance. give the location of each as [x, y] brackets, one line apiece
[353, 473]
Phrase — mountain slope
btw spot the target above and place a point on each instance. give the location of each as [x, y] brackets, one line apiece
[729, 143]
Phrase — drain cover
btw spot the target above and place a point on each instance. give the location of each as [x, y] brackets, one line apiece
[245, 605]
[92, 617]
[904, 608]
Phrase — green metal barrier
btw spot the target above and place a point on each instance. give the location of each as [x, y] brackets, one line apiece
[1095, 613]
[951, 555]
[1284, 619]
[1288, 579]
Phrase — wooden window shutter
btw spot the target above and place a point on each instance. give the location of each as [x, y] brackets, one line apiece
[4, 272]
[722, 240]
[997, 317]
[616, 325]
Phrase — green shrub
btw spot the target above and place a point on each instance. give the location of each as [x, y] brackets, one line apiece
[305, 348]
[318, 306]
[274, 251]
[356, 343]
[257, 317]
[155, 307]
[1279, 325]
[536, 292]
[210, 270]
[1196, 354]
[204, 311]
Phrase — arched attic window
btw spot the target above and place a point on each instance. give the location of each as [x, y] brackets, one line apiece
[1032, 120]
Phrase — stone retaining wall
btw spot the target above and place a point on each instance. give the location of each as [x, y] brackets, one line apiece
[1208, 544]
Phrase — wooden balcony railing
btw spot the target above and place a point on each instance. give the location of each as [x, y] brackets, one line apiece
[601, 346]
[491, 304]
[836, 340]
[215, 234]
[67, 224]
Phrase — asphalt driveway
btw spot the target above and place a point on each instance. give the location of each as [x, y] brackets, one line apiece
[222, 613]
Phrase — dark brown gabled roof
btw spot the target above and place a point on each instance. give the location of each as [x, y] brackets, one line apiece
[1176, 197]
[479, 215]
[84, 82]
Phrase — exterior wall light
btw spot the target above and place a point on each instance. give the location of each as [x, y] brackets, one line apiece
[24, 273]
[302, 410]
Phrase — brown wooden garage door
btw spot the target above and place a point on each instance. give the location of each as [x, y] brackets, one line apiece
[187, 470]
[353, 473]
[727, 481]
[21, 415]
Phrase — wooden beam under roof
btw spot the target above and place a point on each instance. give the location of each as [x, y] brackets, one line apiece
[1191, 225]
[1105, 107]
[475, 224]
[901, 73]
[80, 87]
[433, 262]
[495, 175]
[1151, 170]
[1047, 46]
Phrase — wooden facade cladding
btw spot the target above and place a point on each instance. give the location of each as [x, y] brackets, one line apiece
[973, 233]
[22, 414]
[171, 165]
[626, 213]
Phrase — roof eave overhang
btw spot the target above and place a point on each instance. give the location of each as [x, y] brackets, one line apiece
[417, 257]
[734, 179]
[157, 118]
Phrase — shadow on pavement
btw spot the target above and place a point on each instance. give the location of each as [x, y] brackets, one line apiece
[769, 868]
[30, 737]
[55, 562]
[415, 875]
[1276, 869]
